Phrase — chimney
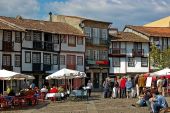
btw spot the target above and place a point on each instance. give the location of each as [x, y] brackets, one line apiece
[50, 15]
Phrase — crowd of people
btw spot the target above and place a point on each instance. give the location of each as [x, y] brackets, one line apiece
[135, 87]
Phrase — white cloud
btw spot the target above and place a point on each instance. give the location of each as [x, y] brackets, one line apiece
[120, 12]
[26, 8]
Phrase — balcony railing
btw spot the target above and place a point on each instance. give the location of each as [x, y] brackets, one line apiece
[38, 45]
[8, 46]
[96, 41]
[43, 45]
[117, 52]
[6, 67]
[48, 46]
[137, 52]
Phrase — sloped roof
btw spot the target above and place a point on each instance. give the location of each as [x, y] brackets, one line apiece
[152, 31]
[45, 26]
[163, 22]
[127, 37]
[8, 27]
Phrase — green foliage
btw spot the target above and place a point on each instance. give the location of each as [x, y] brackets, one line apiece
[165, 60]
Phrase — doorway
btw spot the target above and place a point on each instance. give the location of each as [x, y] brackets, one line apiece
[96, 80]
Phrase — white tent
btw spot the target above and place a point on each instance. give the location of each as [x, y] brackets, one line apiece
[66, 74]
[10, 75]
[162, 72]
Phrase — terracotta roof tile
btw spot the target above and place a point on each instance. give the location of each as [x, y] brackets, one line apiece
[45, 26]
[127, 37]
[152, 31]
[5, 26]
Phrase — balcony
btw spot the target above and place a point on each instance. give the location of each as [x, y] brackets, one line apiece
[47, 67]
[8, 46]
[38, 45]
[96, 41]
[137, 52]
[6, 67]
[37, 67]
[48, 46]
[117, 52]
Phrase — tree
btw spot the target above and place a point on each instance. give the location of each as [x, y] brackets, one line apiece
[155, 56]
[165, 60]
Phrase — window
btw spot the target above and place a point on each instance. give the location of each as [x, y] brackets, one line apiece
[62, 60]
[79, 40]
[27, 57]
[55, 59]
[87, 31]
[7, 36]
[6, 60]
[47, 58]
[18, 37]
[72, 41]
[103, 55]
[115, 62]
[28, 36]
[36, 57]
[95, 37]
[80, 60]
[56, 39]
[144, 62]
[104, 34]
[96, 54]
[138, 46]
[64, 38]
[116, 45]
[131, 62]
[37, 36]
[17, 60]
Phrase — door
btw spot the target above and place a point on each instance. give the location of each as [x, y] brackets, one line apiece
[96, 80]
[71, 62]
[6, 62]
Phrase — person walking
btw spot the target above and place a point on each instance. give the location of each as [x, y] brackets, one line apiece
[128, 87]
[106, 88]
[123, 87]
[90, 86]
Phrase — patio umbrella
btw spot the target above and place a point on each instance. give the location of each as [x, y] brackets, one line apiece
[10, 75]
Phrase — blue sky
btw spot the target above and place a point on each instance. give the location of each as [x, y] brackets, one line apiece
[119, 12]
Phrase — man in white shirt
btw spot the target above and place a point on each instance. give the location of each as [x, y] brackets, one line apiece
[90, 86]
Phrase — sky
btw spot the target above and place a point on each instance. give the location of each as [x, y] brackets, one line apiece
[119, 12]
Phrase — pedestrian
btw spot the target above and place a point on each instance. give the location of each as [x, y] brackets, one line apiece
[106, 88]
[123, 87]
[90, 86]
[128, 87]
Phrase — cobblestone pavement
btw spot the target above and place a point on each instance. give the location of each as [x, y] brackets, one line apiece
[96, 104]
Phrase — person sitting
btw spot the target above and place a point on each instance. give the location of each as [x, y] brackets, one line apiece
[44, 89]
[54, 89]
[157, 102]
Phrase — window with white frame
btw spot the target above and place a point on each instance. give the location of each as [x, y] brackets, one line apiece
[79, 40]
[7, 36]
[104, 34]
[56, 39]
[72, 40]
[37, 36]
[144, 62]
[80, 60]
[28, 36]
[103, 54]
[116, 62]
[87, 31]
[17, 37]
[131, 62]
[95, 35]
[17, 60]
[47, 58]
[96, 54]
[27, 57]
[55, 59]
[62, 59]
[36, 57]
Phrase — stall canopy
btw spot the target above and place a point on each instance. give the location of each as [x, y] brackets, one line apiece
[163, 72]
[10, 75]
[66, 74]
